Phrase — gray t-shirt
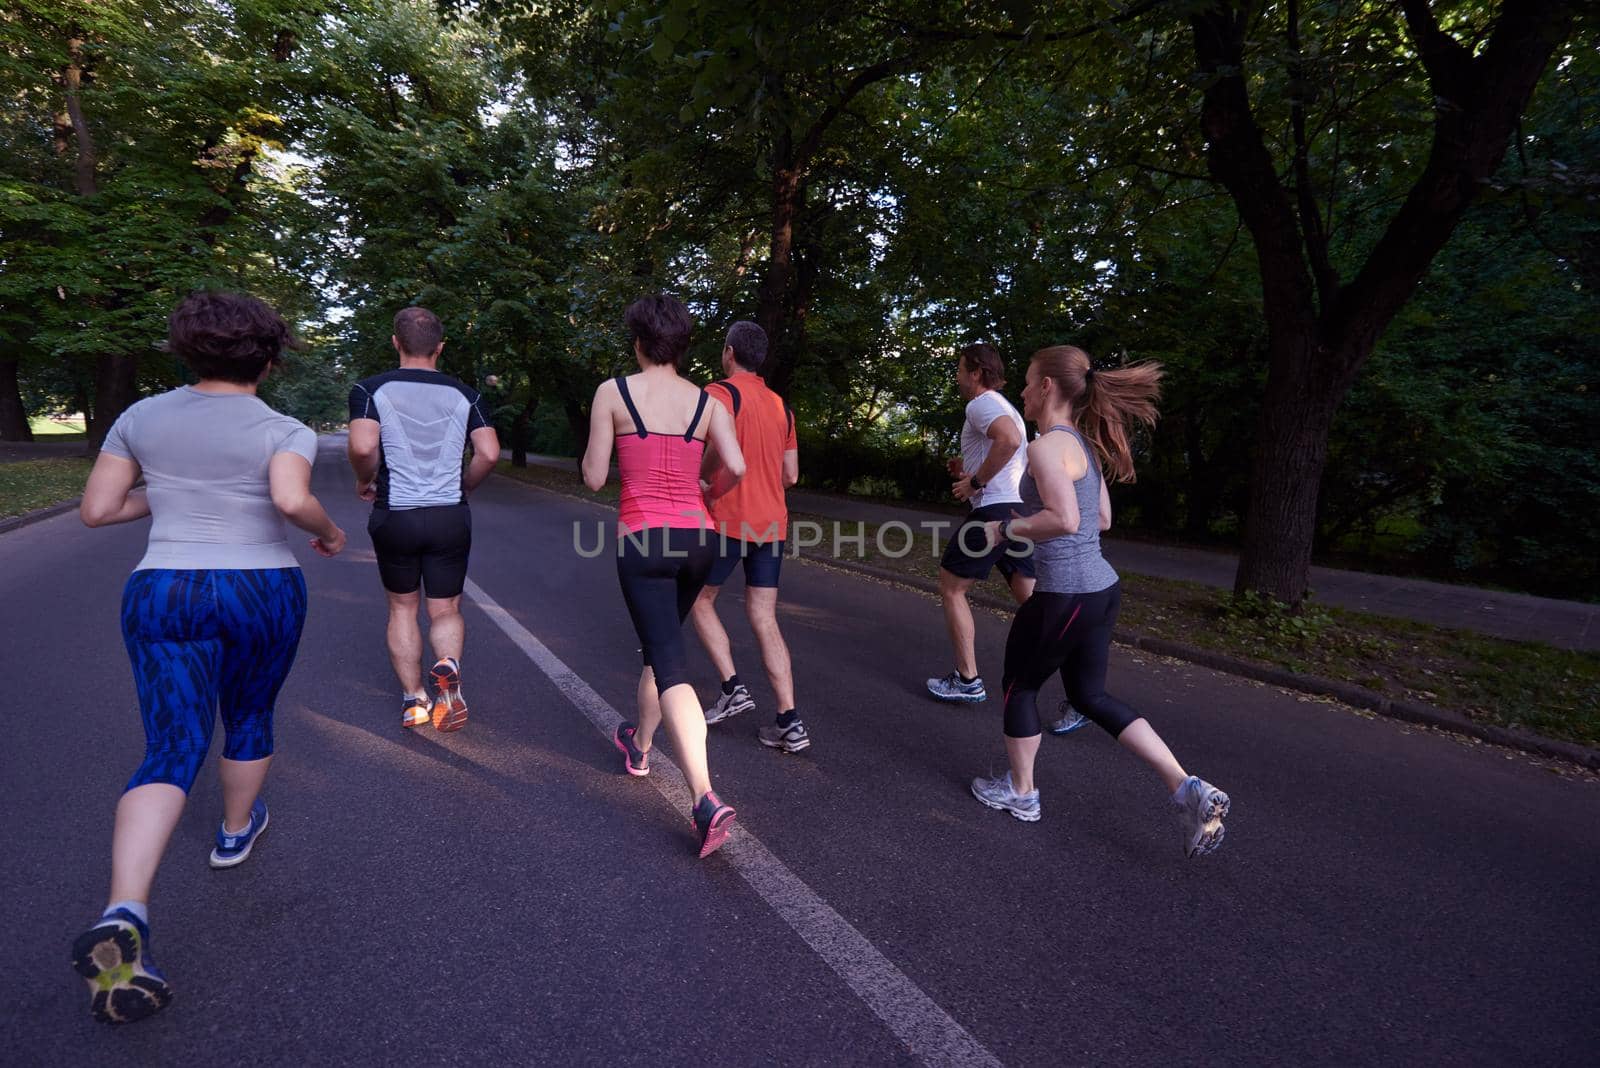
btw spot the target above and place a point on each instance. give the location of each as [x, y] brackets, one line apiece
[205, 458]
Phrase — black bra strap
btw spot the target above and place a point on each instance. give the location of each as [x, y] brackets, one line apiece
[633, 413]
[688, 435]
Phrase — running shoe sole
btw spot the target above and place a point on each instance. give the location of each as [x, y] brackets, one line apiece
[120, 989]
[450, 709]
[1212, 829]
[235, 861]
[627, 757]
[1026, 816]
[786, 745]
[717, 831]
[1077, 725]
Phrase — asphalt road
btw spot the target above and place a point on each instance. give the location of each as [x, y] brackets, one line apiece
[1385, 895]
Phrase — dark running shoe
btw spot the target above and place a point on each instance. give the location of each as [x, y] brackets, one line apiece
[113, 957]
[635, 760]
[713, 820]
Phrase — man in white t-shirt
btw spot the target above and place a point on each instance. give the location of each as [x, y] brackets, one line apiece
[989, 480]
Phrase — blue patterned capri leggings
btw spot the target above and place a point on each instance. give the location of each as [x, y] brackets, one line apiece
[201, 641]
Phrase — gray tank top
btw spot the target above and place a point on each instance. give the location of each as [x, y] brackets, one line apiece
[1071, 563]
[205, 459]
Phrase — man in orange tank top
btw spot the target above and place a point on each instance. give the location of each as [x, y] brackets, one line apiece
[753, 519]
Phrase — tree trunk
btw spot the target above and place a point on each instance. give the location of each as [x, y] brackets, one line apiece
[777, 285]
[116, 386]
[519, 430]
[1291, 452]
[13, 417]
[1201, 491]
[1321, 331]
[577, 423]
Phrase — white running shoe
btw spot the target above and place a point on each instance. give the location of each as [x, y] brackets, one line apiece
[1000, 794]
[1201, 809]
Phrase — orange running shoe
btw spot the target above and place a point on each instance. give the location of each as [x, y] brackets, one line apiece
[416, 711]
[449, 707]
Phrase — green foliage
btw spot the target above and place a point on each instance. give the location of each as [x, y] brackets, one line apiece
[27, 485]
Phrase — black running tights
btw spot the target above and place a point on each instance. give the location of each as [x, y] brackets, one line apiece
[1069, 632]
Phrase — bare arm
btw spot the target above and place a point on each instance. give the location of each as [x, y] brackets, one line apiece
[791, 467]
[364, 446]
[1048, 464]
[730, 460]
[602, 436]
[289, 477]
[1005, 439]
[1105, 506]
[108, 496]
[485, 454]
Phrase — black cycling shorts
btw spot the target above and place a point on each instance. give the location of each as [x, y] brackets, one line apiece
[424, 547]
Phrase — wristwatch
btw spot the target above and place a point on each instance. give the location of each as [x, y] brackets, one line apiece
[972, 480]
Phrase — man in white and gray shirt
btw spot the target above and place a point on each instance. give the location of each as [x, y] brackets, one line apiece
[408, 428]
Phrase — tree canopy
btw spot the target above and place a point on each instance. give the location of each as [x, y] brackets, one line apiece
[1361, 236]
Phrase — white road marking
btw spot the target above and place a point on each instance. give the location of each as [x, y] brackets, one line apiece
[925, 1029]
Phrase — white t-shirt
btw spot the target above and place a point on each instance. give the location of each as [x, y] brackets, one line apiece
[1005, 487]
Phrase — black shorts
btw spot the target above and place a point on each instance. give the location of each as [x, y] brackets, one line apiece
[661, 572]
[424, 547]
[762, 562]
[966, 557]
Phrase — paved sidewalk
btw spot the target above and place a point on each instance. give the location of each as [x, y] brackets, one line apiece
[1517, 616]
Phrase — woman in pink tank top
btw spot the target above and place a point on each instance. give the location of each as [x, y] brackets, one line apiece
[660, 424]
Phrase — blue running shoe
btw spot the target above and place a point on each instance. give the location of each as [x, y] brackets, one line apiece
[953, 688]
[232, 849]
[1070, 720]
[113, 957]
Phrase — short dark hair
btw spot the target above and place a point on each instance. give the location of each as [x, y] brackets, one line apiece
[662, 324]
[985, 359]
[749, 344]
[418, 330]
[232, 337]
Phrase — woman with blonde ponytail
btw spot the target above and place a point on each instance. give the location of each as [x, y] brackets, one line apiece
[1083, 416]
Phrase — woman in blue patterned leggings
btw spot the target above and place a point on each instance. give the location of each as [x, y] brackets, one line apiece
[211, 615]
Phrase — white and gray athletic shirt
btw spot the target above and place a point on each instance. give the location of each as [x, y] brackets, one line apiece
[424, 418]
[1004, 487]
[205, 458]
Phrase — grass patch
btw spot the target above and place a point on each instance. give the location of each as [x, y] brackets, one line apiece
[1555, 692]
[31, 484]
[54, 428]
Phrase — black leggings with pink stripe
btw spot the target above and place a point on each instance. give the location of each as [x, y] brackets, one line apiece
[1070, 633]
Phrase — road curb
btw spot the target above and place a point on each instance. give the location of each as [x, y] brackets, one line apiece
[1345, 692]
[29, 518]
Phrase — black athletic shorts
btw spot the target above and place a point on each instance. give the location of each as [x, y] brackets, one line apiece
[762, 562]
[966, 557]
[422, 546]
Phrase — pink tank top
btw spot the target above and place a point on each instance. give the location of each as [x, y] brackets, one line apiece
[660, 474]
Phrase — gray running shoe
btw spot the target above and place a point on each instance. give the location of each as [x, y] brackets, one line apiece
[730, 704]
[999, 793]
[951, 688]
[1071, 719]
[790, 739]
[1201, 809]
